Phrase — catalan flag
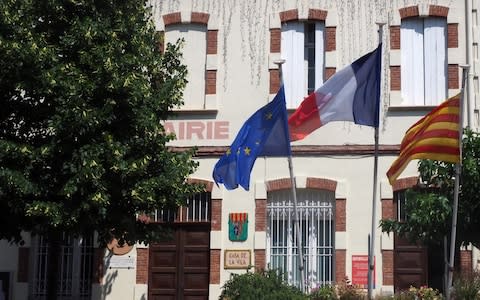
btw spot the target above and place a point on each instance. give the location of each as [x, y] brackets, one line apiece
[435, 137]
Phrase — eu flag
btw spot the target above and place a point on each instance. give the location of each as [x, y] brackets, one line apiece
[265, 133]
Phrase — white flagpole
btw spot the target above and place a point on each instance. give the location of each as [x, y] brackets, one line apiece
[294, 195]
[458, 172]
[371, 246]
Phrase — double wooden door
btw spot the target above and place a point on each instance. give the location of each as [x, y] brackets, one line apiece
[180, 267]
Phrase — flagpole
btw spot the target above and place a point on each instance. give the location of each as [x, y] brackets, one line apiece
[294, 195]
[458, 172]
[371, 246]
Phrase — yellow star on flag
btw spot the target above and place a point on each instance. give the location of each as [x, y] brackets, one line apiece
[247, 151]
[268, 115]
[229, 151]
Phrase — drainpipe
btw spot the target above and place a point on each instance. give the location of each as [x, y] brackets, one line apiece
[468, 51]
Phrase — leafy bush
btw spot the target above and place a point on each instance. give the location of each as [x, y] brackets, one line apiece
[348, 291]
[467, 287]
[424, 293]
[267, 285]
[324, 292]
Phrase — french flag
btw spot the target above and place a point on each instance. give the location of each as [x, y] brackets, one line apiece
[352, 94]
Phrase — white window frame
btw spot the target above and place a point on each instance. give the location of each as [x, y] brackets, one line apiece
[316, 210]
[294, 51]
[424, 66]
[76, 260]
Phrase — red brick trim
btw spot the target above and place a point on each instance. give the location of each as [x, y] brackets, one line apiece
[216, 219]
[395, 78]
[260, 214]
[260, 259]
[212, 41]
[453, 79]
[142, 266]
[329, 72]
[407, 12]
[340, 215]
[452, 35]
[394, 37]
[173, 18]
[317, 14]
[387, 267]
[215, 266]
[274, 81]
[275, 40]
[438, 11]
[199, 18]
[208, 184]
[466, 264]
[22, 264]
[289, 15]
[340, 264]
[405, 183]
[321, 184]
[98, 266]
[331, 40]
[387, 209]
[279, 184]
[211, 82]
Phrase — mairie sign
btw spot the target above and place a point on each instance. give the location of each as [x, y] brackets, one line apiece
[238, 226]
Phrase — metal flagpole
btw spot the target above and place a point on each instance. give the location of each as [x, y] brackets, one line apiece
[294, 194]
[371, 247]
[458, 172]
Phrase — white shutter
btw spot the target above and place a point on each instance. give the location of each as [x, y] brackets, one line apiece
[412, 69]
[319, 53]
[292, 49]
[435, 60]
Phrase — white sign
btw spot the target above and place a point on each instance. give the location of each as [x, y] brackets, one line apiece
[120, 262]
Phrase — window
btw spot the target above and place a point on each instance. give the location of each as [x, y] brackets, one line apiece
[302, 48]
[194, 53]
[75, 266]
[316, 209]
[197, 209]
[401, 200]
[424, 61]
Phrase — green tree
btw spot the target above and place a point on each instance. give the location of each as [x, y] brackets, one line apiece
[429, 205]
[84, 90]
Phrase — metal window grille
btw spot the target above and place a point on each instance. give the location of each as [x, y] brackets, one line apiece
[75, 269]
[197, 209]
[316, 212]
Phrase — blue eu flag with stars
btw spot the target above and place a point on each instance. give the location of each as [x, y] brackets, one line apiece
[265, 133]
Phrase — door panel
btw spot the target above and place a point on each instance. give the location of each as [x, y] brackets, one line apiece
[180, 268]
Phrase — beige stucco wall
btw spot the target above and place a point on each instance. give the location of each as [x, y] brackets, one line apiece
[242, 63]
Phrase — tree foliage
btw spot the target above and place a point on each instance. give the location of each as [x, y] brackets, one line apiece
[84, 91]
[429, 205]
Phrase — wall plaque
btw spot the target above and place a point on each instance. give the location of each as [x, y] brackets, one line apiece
[120, 262]
[237, 259]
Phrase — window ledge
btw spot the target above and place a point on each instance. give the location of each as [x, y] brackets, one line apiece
[425, 108]
[195, 112]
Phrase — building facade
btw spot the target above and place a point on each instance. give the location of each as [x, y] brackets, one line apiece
[231, 49]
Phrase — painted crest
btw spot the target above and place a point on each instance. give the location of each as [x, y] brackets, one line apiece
[238, 226]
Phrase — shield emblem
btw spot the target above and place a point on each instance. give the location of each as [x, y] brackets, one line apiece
[238, 226]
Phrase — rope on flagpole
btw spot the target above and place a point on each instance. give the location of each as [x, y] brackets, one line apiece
[458, 172]
[371, 240]
[294, 195]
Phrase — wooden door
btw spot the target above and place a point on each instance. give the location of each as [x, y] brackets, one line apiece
[410, 264]
[180, 268]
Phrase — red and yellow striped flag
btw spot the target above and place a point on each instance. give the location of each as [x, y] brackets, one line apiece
[435, 137]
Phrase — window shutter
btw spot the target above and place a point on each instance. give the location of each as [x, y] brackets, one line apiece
[293, 70]
[435, 48]
[411, 41]
[319, 54]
